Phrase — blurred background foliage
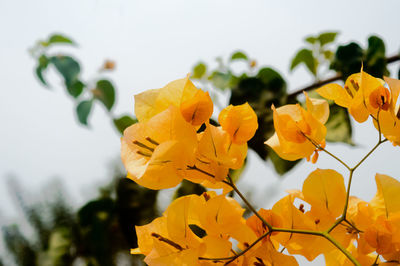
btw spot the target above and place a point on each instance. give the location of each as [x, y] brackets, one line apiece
[101, 232]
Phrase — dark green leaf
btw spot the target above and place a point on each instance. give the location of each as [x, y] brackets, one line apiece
[281, 166]
[68, 67]
[375, 61]
[398, 74]
[327, 37]
[83, 111]
[311, 39]
[199, 70]
[338, 125]
[58, 38]
[123, 122]
[76, 88]
[266, 88]
[238, 56]
[105, 93]
[348, 59]
[306, 57]
[271, 79]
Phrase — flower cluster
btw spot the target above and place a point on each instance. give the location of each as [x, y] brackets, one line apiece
[174, 140]
[166, 145]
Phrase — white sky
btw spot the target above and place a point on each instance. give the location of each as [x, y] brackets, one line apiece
[154, 42]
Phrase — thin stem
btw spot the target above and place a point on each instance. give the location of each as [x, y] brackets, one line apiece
[199, 170]
[325, 150]
[232, 185]
[341, 248]
[346, 203]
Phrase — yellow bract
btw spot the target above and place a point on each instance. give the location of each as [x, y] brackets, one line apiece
[155, 152]
[298, 131]
[195, 105]
[239, 121]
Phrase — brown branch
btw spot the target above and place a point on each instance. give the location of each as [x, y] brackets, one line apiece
[339, 76]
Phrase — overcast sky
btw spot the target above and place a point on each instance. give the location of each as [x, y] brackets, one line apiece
[154, 42]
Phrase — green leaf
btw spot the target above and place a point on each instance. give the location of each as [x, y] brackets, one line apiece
[68, 67]
[220, 80]
[348, 59]
[76, 88]
[311, 39]
[328, 54]
[123, 122]
[306, 57]
[375, 60]
[105, 93]
[83, 111]
[58, 38]
[39, 74]
[281, 166]
[43, 62]
[238, 56]
[338, 125]
[327, 37]
[199, 70]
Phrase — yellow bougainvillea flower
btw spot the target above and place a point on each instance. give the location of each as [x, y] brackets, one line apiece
[215, 155]
[362, 94]
[389, 121]
[259, 227]
[267, 254]
[195, 105]
[325, 192]
[295, 218]
[171, 239]
[223, 216]
[155, 152]
[387, 199]
[239, 121]
[298, 131]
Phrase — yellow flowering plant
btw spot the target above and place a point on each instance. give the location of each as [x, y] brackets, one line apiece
[174, 140]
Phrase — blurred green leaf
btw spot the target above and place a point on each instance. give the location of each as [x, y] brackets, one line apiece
[306, 57]
[375, 57]
[39, 75]
[220, 80]
[327, 37]
[238, 56]
[43, 62]
[348, 59]
[58, 38]
[281, 166]
[76, 88]
[68, 67]
[83, 111]
[338, 125]
[311, 39]
[199, 70]
[328, 54]
[105, 93]
[123, 122]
